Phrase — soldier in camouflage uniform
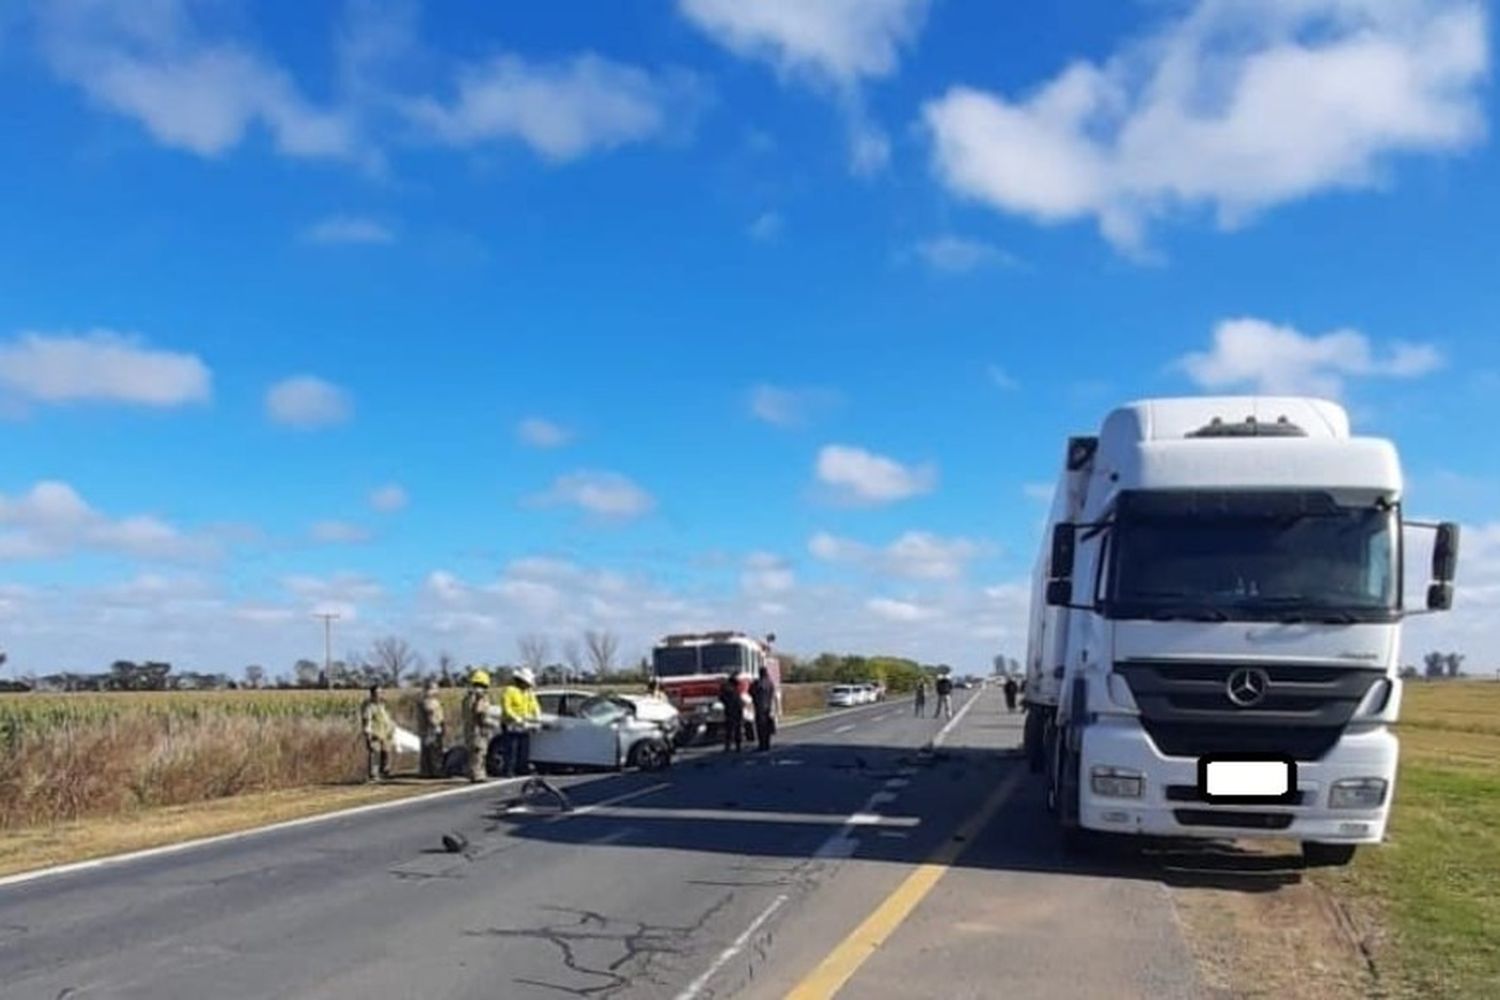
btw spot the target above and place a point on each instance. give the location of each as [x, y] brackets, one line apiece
[477, 725]
[430, 730]
[380, 734]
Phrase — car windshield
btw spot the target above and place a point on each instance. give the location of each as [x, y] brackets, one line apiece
[602, 710]
[1255, 567]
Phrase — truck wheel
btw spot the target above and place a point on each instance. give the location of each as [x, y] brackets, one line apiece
[1316, 854]
[650, 755]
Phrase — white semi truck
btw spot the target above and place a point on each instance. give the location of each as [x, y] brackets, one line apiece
[1216, 626]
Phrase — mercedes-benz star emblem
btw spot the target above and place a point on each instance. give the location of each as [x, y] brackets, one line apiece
[1247, 686]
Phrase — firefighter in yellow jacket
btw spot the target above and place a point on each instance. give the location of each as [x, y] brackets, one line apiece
[380, 733]
[476, 713]
[520, 715]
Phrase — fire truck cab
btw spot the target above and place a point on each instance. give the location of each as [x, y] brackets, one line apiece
[690, 668]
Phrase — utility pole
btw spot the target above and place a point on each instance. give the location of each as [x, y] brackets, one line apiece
[328, 620]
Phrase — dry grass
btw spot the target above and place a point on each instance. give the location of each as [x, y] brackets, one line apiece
[39, 847]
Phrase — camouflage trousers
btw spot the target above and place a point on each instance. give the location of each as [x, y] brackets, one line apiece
[477, 749]
[379, 752]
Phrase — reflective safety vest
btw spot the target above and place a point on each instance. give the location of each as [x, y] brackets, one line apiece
[519, 705]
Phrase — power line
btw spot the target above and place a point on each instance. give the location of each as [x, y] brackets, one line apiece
[329, 617]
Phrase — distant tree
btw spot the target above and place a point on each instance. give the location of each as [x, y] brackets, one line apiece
[126, 675]
[535, 650]
[445, 666]
[307, 674]
[391, 658]
[255, 676]
[1454, 662]
[603, 646]
[572, 655]
[1408, 672]
[1434, 662]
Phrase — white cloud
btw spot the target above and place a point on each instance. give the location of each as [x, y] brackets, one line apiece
[838, 41]
[766, 227]
[1270, 358]
[561, 110]
[898, 611]
[863, 476]
[1235, 106]
[834, 45]
[540, 433]
[788, 407]
[766, 575]
[338, 533]
[51, 521]
[1040, 492]
[99, 366]
[154, 64]
[1002, 378]
[915, 555]
[605, 494]
[960, 255]
[348, 229]
[389, 498]
[308, 402]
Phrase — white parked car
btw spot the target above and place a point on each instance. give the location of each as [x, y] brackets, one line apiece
[844, 696]
[585, 730]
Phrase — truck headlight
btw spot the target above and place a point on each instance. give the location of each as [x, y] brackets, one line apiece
[1357, 793]
[1116, 782]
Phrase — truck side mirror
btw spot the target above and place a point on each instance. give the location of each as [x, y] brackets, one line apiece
[1064, 542]
[1440, 597]
[1445, 553]
[1059, 593]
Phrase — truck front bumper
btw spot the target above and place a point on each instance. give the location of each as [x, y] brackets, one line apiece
[1166, 809]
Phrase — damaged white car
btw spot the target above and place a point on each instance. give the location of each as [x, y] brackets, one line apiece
[585, 731]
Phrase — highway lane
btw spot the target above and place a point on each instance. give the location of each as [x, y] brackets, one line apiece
[726, 875]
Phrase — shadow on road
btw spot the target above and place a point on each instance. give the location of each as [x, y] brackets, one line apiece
[791, 803]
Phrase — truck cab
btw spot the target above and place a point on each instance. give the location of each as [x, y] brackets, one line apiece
[691, 668]
[1216, 623]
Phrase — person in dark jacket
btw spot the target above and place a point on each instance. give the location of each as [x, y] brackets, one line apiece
[945, 697]
[1011, 690]
[734, 714]
[763, 697]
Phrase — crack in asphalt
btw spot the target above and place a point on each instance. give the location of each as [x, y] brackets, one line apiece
[638, 941]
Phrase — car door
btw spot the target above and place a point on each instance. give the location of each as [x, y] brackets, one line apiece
[588, 738]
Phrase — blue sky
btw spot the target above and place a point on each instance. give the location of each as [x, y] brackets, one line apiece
[470, 321]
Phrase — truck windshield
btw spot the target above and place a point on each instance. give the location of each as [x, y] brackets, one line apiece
[675, 661]
[1337, 565]
[725, 657]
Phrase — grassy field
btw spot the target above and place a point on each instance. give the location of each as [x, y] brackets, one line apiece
[1434, 888]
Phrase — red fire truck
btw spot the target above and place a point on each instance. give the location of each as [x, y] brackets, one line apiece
[691, 668]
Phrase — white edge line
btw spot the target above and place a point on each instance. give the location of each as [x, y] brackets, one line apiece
[728, 954]
[225, 838]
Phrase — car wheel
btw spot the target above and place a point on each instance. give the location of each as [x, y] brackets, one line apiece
[456, 762]
[1316, 854]
[494, 758]
[650, 755]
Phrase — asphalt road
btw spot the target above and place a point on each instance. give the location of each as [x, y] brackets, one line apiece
[723, 876]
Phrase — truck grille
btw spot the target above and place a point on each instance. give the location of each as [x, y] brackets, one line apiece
[1186, 710]
[1243, 820]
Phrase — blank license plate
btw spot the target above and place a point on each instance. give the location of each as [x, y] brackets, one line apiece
[1247, 780]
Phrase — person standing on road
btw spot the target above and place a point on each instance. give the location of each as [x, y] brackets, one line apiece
[520, 716]
[734, 713]
[477, 726]
[945, 697]
[380, 734]
[763, 697]
[430, 730]
[921, 699]
[1011, 690]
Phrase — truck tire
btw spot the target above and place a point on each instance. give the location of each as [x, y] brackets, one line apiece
[1316, 854]
[1031, 743]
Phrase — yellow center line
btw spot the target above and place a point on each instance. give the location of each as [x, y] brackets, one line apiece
[844, 961]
